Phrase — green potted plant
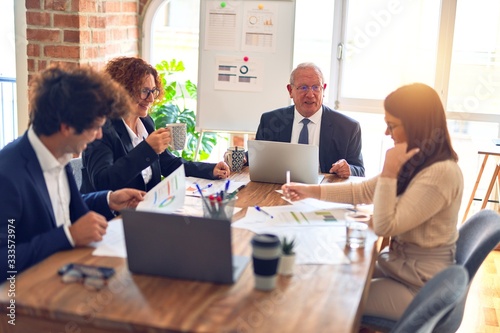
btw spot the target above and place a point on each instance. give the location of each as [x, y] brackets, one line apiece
[287, 260]
[177, 106]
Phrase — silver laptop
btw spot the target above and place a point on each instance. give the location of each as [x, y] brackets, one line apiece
[181, 247]
[269, 161]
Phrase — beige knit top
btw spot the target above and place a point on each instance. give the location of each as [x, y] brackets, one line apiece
[425, 214]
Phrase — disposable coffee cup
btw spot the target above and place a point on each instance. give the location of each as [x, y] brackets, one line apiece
[235, 158]
[178, 135]
[266, 252]
[356, 226]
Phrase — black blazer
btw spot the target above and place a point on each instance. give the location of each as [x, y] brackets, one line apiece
[112, 162]
[25, 205]
[340, 136]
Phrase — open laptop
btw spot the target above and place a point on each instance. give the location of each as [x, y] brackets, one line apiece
[269, 161]
[181, 247]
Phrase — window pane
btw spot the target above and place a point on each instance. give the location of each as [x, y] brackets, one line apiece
[175, 31]
[475, 67]
[313, 37]
[388, 44]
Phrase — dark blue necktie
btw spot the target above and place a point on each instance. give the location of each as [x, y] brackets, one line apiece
[304, 133]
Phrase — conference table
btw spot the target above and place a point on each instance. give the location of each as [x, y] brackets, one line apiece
[316, 298]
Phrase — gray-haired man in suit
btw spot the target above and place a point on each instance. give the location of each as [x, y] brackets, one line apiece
[338, 136]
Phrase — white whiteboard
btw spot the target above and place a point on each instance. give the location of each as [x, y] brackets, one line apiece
[245, 60]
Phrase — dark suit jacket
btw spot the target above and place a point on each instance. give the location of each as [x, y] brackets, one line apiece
[340, 136]
[112, 162]
[28, 229]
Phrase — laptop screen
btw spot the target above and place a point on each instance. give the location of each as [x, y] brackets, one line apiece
[269, 161]
[176, 246]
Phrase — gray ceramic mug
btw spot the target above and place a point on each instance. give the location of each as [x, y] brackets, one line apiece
[178, 135]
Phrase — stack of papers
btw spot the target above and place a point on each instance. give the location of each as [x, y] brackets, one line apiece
[318, 227]
[317, 232]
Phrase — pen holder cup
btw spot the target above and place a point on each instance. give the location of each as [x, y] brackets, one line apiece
[222, 210]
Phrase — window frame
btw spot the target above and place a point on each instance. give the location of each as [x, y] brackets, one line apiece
[443, 67]
[443, 64]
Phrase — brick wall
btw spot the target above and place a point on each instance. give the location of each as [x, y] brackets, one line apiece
[81, 31]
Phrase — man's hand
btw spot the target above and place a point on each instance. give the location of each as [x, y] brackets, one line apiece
[88, 228]
[125, 198]
[222, 170]
[341, 168]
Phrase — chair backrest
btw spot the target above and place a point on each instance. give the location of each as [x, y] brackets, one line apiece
[478, 236]
[76, 165]
[434, 300]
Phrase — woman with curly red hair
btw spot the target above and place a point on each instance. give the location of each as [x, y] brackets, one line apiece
[131, 152]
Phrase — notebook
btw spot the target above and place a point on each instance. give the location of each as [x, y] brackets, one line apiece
[181, 247]
[269, 161]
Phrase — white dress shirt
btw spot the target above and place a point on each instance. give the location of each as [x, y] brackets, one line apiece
[56, 181]
[314, 127]
[142, 134]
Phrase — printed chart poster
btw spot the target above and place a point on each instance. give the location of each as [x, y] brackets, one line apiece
[239, 74]
[259, 27]
[223, 19]
[168, 195]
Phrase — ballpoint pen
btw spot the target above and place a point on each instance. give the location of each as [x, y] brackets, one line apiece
[287, 183]
[263, 211]
[205, 202]
[203, 188]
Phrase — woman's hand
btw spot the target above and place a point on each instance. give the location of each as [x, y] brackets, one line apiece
[159, 140]
[296, 191]
[395, 158]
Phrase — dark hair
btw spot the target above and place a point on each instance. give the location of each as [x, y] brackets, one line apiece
[130, 73]
[423, 118]
[75, 96]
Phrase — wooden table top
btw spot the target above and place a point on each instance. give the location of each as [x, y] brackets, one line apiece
[317, 298]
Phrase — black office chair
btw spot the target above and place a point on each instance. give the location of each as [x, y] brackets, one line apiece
[76, 165]
[478, 236]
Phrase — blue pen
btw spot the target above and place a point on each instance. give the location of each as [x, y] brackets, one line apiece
[263, 211]
[208, 186]
[203, 188]
[205, 202]
[227, 186]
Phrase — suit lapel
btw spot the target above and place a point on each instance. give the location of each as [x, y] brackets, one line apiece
[34, 171]
[286, 134]
[122, 134]
[325, 135]
[155, 166]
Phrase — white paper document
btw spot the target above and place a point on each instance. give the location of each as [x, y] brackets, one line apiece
[113, 242]
[289, 216]
[317, 232]
[209, 186]
[168, 195]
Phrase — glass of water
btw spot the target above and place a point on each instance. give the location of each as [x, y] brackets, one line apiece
[356, 227]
